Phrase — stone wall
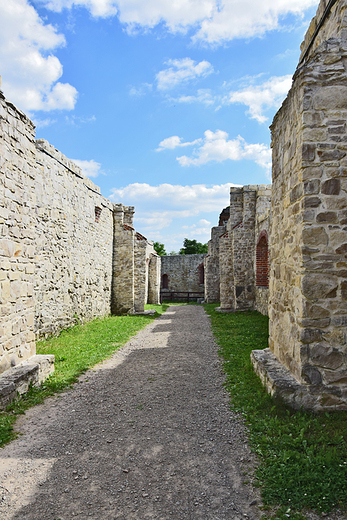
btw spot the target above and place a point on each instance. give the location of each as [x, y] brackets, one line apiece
[183, 272]
[17, 236]
[249, 215]
[66, 252]
[73, 247]
[307, 362]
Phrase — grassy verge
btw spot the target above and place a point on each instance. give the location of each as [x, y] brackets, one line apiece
[303, 456]
[76, 349]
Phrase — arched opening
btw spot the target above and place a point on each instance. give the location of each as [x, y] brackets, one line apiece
[165, 281]
[262, 260]
[201, 274]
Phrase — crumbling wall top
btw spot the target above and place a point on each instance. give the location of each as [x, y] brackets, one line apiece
[330, 22]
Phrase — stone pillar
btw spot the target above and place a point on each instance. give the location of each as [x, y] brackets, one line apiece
[307, 361]
[123, 297]
[140, 273]
[211, 264]
[244, 251]
[227, 292]
[154, 279]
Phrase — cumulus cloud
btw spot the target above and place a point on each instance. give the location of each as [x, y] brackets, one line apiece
[90, 168]
[182, 71]
[30, 76]
[215, 146]
[170, 200]
[262, 97]
[213, 21]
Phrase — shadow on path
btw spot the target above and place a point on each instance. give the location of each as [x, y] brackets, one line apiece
[146, 435]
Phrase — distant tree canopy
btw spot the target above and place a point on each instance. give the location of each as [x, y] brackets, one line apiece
[159, 248]
[192, 247]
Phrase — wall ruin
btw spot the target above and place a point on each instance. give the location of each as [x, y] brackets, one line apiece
[306, 362]
[231, 264]
[183, 273]
[66, 252]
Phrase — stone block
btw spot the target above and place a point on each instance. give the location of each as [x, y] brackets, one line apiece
[331, 187]
[319, 286]
[314, 236]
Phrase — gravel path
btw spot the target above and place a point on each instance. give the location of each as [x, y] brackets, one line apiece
[146, 435]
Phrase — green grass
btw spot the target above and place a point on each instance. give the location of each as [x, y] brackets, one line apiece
[76, 350]
[303, 456]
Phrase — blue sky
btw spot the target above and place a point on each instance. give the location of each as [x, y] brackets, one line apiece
[164, 103]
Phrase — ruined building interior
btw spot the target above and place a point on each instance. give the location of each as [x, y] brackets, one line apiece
[278, 249]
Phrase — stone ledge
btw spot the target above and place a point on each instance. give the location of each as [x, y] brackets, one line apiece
[17, 380]
[149, 312]
[279, 382]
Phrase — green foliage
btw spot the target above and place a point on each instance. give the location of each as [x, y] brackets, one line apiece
[303, 456]
[159, 248]
[192, 247]
[76, 350]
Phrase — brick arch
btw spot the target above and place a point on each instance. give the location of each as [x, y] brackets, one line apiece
[262, 260]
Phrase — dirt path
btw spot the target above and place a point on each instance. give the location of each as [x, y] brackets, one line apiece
[146, 435]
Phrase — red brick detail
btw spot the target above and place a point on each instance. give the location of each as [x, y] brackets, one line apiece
[262, 260]
[239, 225]
[97, 213]
[139, 236]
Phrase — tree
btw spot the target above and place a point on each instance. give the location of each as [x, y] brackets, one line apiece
[192, 247]
[159, 248]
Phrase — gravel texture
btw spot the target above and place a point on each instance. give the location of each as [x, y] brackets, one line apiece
[148, 434]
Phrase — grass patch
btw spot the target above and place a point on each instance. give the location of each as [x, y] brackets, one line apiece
[76, 350]
[303, 456]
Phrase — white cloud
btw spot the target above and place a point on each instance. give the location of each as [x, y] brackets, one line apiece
[30, 76]
[173, 142]
[89, 168]
[169, 200]
[182, 71]
[214, 21]
[141, 91]
[203, 96]
[262, 97]
[215, 146]
[98, 8]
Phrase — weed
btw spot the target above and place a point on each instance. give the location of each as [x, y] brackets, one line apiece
[303, 456]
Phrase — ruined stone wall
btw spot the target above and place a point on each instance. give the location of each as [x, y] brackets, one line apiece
[56, 260]
[321, 29]
[183, 272]
[262, 223]
[211, 265]
[17, 235]
[308, 287]
[249, 212]
[73, 247]
[63, 246]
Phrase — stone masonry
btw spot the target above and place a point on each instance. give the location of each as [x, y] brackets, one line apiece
[233, 260]
[183, 273]
[306, 362]
[66, 252]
